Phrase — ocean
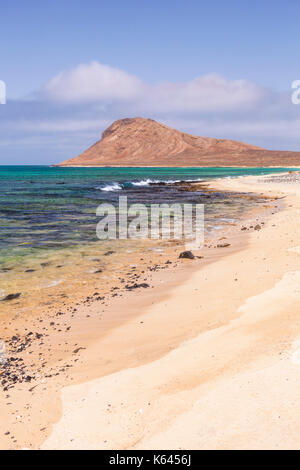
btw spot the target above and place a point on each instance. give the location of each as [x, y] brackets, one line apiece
[48, 208]
[48, 217]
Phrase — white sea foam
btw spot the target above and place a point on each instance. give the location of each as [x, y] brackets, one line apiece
[146, 182]
[111, 187]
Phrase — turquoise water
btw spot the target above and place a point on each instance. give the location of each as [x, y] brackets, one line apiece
[43, 173]
[47, 208]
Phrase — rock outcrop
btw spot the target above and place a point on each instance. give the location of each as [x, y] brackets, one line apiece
[145, 142]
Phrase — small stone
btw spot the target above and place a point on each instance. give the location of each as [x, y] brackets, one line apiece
[77, 350]
[187, 255]
[11, 297]
[143, 285]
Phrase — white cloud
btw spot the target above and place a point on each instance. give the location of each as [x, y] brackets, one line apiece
[92, 82]
[101, 83]
[208, 93]
[71, 110]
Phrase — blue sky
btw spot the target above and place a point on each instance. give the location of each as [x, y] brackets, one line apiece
[222, 69]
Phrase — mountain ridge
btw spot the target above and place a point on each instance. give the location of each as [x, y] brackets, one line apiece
[134, 142]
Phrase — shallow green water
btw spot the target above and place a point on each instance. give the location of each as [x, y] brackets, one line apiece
[46, 208]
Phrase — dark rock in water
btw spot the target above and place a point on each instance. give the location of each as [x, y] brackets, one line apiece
[223, 245]
[11, 297]
[109, 253]
[187, 255]
[158, 183]
[257, 227]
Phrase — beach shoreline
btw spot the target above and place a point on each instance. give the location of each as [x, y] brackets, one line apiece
[145, 372]
[179, 166]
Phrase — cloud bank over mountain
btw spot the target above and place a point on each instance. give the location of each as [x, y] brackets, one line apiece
[96, 82]
[70, 111]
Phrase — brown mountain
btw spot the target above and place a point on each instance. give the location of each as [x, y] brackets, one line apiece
[144, 142]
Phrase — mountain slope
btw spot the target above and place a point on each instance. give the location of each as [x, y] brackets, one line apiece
[145, 142]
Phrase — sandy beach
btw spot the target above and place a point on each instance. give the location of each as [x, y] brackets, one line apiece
[207, 358]
[149, 228]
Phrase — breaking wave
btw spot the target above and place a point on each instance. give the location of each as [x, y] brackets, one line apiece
[111, 187]
[146, 182]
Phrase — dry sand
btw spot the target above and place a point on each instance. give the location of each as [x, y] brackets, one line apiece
[234, 382]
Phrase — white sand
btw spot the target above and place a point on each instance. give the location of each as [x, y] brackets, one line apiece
[236, 383]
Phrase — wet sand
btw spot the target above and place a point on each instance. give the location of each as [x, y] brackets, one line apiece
[189, 362]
